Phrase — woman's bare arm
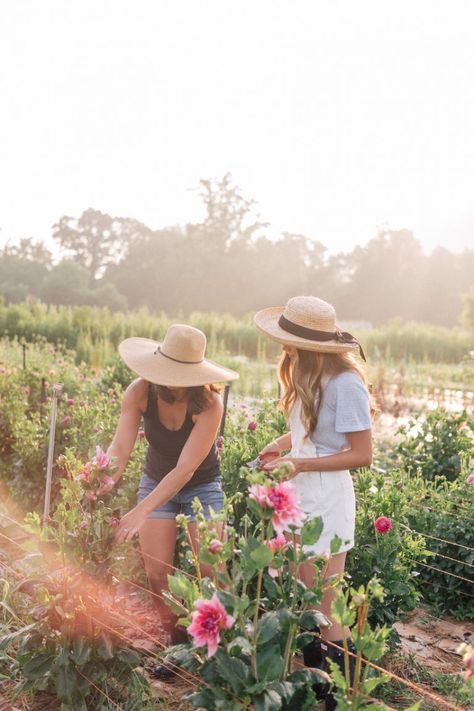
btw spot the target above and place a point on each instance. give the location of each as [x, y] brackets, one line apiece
[358, 454]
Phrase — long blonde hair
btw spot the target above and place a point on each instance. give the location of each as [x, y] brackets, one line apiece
[302, 378]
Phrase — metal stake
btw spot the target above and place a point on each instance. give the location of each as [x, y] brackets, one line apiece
[57, 387]
[224, 414]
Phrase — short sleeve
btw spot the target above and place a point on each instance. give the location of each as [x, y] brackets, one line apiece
[352, 404]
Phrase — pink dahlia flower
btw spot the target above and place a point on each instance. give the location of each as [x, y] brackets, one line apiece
[207, 620]
[283, 499]
[83, 524]
[277, 543]
[252, 426]
[70, 402]
[101, 460]
[66, 420]
[383, 524]
[470, 479]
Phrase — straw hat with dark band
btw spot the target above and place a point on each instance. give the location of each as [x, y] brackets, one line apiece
[308, 323]
[177, 362]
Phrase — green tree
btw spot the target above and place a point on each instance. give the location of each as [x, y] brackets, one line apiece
[95, 239]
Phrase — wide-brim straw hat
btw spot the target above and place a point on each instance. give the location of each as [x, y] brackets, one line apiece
[176, 362]
[308, 323]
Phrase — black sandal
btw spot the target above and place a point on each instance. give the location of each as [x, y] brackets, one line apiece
[165, 670]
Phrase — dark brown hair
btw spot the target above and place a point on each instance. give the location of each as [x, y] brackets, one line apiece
[199, 397]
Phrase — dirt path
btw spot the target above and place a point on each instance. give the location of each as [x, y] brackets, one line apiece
[434, 641]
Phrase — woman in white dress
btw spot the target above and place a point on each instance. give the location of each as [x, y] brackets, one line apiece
[326, 399]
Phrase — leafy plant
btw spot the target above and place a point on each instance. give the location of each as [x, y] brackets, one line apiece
[391, 554]
[435, 445]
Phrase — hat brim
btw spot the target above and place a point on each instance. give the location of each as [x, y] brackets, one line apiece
[267, 321]
[143, 357]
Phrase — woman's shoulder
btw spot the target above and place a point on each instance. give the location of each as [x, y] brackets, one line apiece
[136, 394]
[345, 381]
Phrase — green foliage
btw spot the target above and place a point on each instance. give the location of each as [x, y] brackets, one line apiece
[272, 618]
[391, 556]
[434, 445]
[444, 512]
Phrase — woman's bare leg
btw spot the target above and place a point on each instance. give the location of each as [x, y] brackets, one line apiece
[157, 543]
[334, 566]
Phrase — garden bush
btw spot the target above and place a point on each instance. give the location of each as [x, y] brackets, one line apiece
[384, 546]
[445, 514]
[435, 444]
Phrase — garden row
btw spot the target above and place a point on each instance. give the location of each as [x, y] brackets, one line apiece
[412, 529]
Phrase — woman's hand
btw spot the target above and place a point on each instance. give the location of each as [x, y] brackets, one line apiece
[129, 525]
[269, 452]
[276, 463]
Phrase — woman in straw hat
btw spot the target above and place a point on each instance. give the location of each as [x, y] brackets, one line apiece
[327, 402]
[181, 410]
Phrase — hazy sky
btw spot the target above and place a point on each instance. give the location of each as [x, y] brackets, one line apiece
[336, 116]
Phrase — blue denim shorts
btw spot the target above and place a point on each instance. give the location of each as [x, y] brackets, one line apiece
[210, 495]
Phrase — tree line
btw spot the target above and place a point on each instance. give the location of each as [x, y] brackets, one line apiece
[227, 263]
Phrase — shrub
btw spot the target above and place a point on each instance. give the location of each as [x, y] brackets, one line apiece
[390, 555]
[444, 514]
[434, 445]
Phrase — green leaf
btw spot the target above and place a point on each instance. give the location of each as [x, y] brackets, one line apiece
[262, 556]
[269, 662]
[181, 587]
[8, 639]
[269, 701]
[415, 707]
[239, 645]
[268, 626]
[39, 665]
[81, 651]
[313, 619]
[234, 671]
[311, 531]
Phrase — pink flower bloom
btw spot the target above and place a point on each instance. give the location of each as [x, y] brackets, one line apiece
[101, 460]
[83, 524]
[96, 429]
[207, 620]
[114, 522]
[219, 441]
[283, 499]
[215, 546]
[66, 420]
[51, 371]
[470, 479]
[252, 426]
[70, 402]
[383, 524]
[82, 403]
[107, 481]
[259, 493]
[277, 543]
[141, 434]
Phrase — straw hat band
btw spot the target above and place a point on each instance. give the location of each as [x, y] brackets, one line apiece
[176, 360]
[312, 334]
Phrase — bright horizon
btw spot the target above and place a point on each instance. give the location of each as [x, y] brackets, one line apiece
[335, 117]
